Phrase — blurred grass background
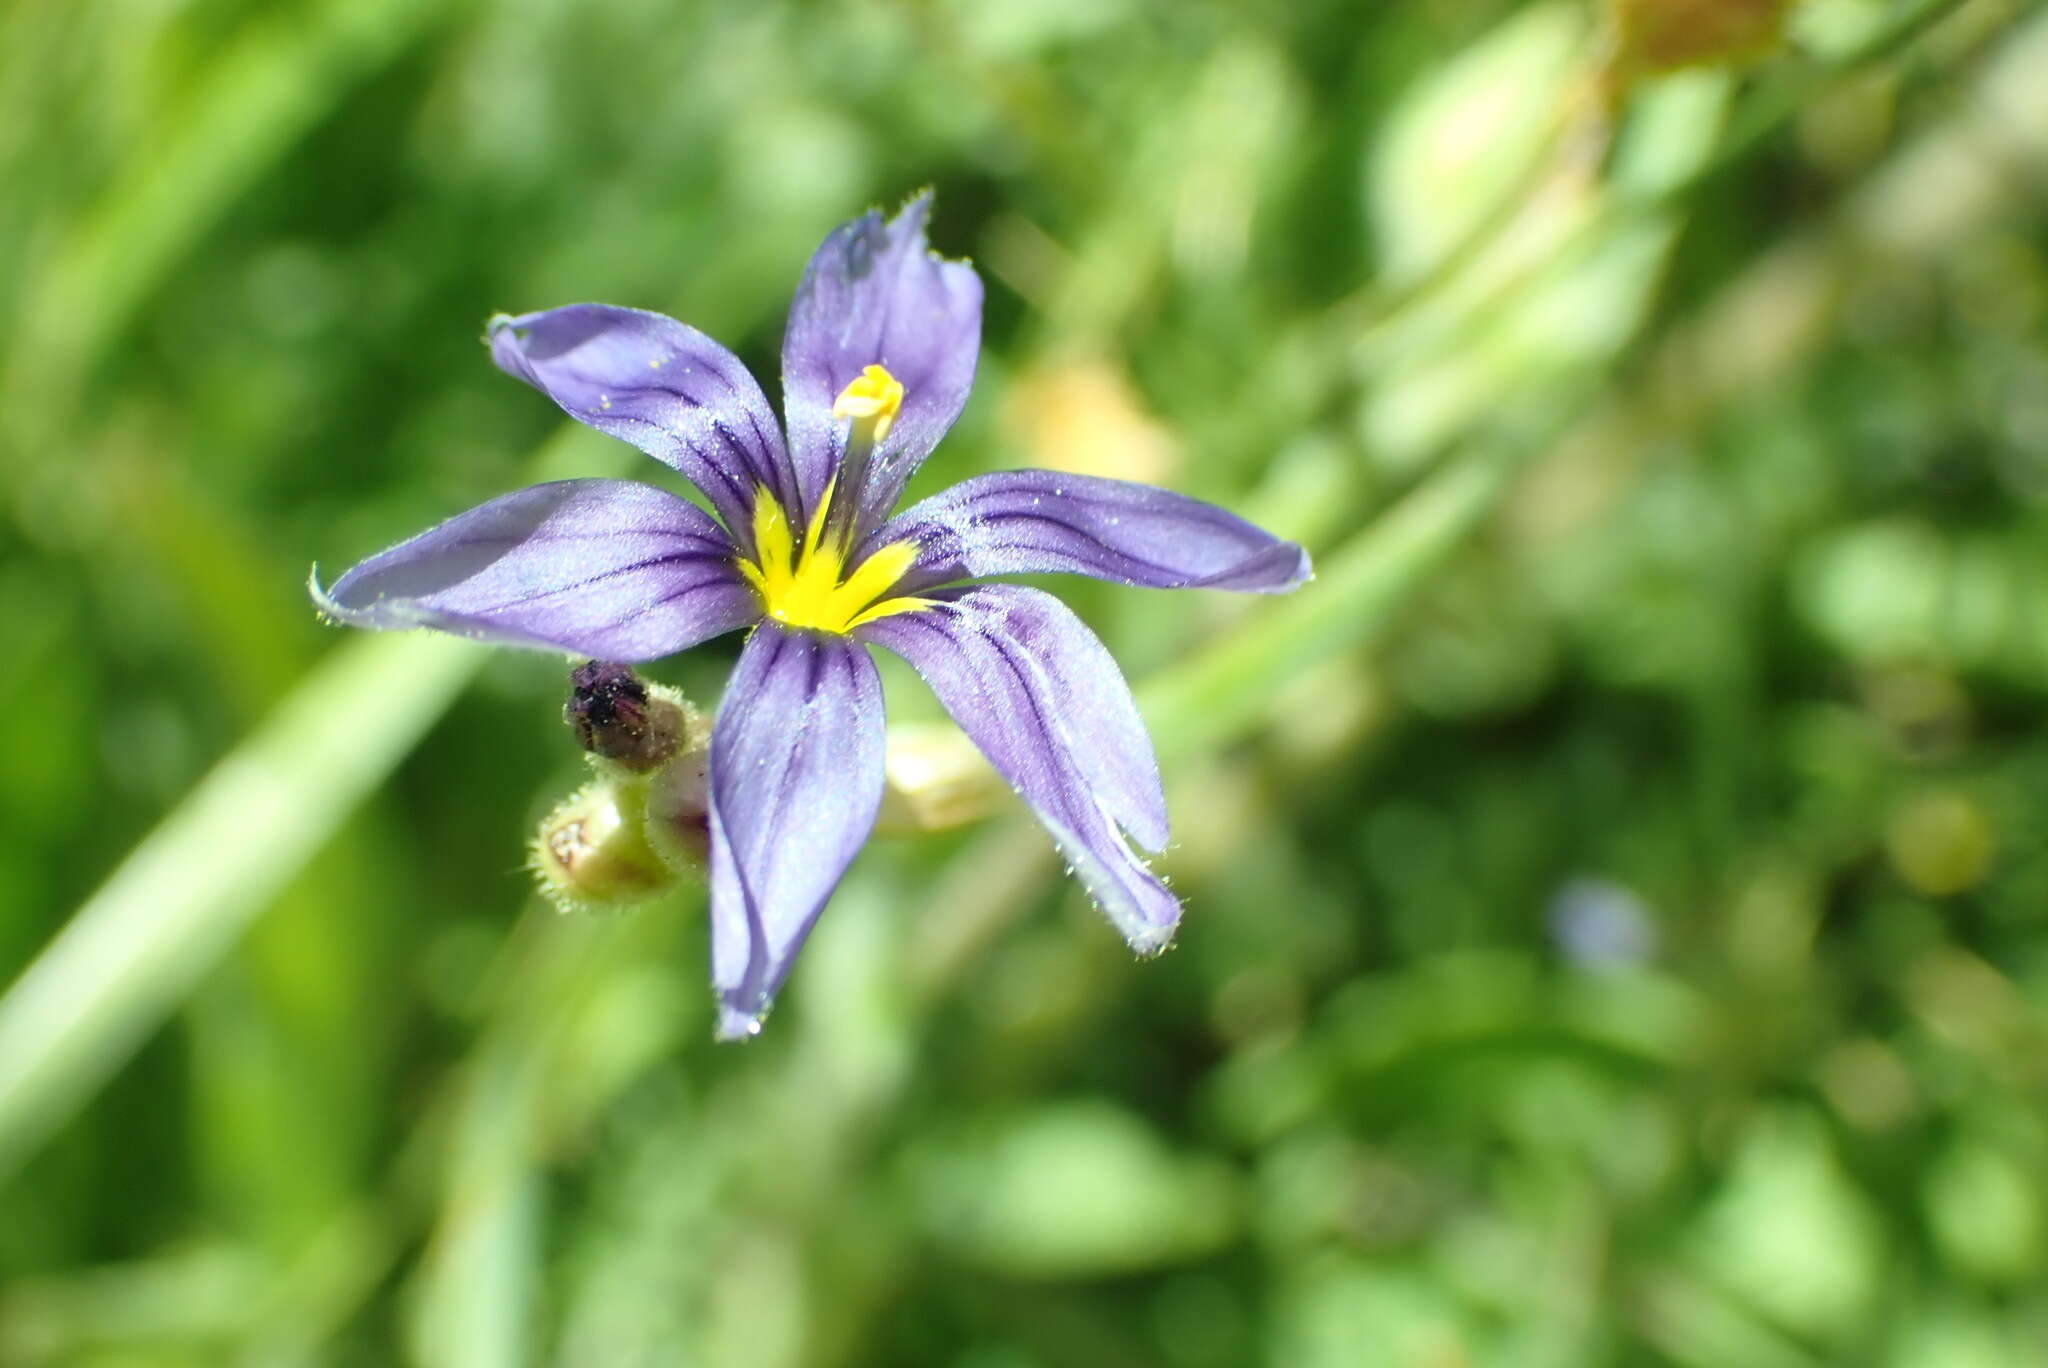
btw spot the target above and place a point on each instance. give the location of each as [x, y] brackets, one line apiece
[1618, 886]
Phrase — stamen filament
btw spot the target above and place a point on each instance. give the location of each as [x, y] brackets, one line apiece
[871, 402]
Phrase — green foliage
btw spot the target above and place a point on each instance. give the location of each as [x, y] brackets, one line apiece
[1618, 885]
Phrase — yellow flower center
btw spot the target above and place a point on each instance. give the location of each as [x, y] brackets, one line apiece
[811, 585]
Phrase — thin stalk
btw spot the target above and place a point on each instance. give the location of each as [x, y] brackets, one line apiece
[183, 896]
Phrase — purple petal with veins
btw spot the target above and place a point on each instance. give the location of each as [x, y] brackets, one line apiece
[1035, 689]
[662, 386]
[607, 568]
[1021, 522]
[796, 779]
[875, 295]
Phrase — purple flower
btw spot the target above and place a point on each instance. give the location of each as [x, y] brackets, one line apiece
[877, 362]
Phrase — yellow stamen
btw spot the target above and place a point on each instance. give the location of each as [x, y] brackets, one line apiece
[811, 586]
[871, 400]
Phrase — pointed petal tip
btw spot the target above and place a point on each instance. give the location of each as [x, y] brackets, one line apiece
[507, 336]
[736, 1024]
[1154, 943]
[912, 218]
[503, 338]
[914, 212]
[1304, 570]
[917, 212]
[1281, 568]
[323, 605]
[329, 609]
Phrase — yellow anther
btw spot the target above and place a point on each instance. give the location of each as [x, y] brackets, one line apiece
[872, 399]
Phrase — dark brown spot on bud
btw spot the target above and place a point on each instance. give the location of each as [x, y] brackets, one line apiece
[613, 716]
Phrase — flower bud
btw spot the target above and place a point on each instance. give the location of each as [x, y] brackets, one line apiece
[618, 716]
[935, 779]
[679, 806]
[591, 853]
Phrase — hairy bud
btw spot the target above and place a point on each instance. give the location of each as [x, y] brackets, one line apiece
[641, 823]
[591, 853]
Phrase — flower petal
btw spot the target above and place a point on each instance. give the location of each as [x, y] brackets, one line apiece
[875, 295]
[1035, 689]
[796, 778]
[606, 568]
[1019, 522]
[660, 385]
